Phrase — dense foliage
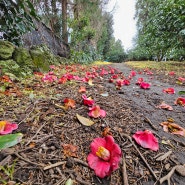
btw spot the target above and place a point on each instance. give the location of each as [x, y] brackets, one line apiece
[161, 30]
[73, 21]
[16, 18]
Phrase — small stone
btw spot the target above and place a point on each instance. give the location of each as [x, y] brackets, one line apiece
[167, 166]
[181, 170]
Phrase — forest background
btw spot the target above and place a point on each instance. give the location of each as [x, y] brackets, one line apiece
[87, 27]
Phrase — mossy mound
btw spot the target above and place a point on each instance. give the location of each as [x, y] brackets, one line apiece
[6, 50]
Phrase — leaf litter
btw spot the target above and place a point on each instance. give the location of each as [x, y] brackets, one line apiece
[56, 139]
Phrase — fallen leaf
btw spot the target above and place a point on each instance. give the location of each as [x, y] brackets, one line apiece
[84, 121]
[70, 150]
[181, 92]
[106, 132]
[69, 103]
[90, 82]
[173, 128]
[69, 182]
[163, 105]
[105, 94]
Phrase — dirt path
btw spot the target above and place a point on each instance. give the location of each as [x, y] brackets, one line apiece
[144, 102]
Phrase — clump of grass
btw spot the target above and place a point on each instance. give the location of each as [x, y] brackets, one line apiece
[177, 67]
[101, 63]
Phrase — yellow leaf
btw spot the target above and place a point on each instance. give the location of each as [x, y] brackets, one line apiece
[90, 82]
[84, 121]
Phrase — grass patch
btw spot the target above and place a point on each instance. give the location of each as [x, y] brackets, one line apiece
[101, 63]
[177, 67]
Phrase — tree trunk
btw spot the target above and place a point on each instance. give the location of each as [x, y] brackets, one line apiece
[64, 21]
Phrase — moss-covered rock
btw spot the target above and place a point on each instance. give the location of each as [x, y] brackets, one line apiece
[9, 66]
[6, 49]
[23, 57]
[42, 57]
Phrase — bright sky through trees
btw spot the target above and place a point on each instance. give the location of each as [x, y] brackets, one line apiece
[124, 23]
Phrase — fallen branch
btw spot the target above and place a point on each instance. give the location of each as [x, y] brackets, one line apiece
[168, 176]
[54, 165]
[81, 162]
[124, 172]
[142, 157]
[26, 160]
[150, 123]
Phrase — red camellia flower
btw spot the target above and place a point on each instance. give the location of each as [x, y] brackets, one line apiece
[144, 85]
[7, 127]
[180, 79]
[132, 73]
[171, 73]
[62, 80]
[139, 80]
[146, 139]
[126, 82]
[87, 101]
[169, 90]
[180, 101]
[96, 112]
[105, 156]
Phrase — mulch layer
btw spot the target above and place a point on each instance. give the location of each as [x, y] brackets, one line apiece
[55, 144]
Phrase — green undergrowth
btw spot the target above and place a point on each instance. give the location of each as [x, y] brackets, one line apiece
[177, 67]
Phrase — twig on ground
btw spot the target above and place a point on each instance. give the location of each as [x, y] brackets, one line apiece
[81, 162]
[124, 171]
[28, 113]
[142, 157]
[54, 165]
[26, 160]
[150, 123]
[164, 156]
[5, 160]
[168, 176]
[35, 134]
[78, 179]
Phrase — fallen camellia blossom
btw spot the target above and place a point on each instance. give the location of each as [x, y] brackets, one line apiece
[163, 105]
[146, 139]
[139, 81]
[69, 103]
[171, 73]
[62, 80]
[173, 128]
[126, 82]
[88, 101]
[105, 156]
[132, 73]
[144, 85]
[169, 90]
[180, 101]
[7, 127]
[96, 112]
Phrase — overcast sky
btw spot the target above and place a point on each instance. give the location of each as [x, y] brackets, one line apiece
[124, 24]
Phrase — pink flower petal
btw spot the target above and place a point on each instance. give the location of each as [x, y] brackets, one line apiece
[100, 167]
[7, 127]
[144, 85]
[96, 143]
[169, 90]
[146, 139]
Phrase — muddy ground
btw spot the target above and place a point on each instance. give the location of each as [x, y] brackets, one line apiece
[47, 127]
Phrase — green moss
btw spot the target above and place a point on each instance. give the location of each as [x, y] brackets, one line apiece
[23, 57]
[6, 49]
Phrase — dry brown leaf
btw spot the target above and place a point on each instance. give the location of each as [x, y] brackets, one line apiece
[84, 121]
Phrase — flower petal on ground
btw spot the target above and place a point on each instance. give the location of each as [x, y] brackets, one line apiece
[7, 127]
[146, 139]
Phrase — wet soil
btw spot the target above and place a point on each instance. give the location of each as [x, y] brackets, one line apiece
[47, 127]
